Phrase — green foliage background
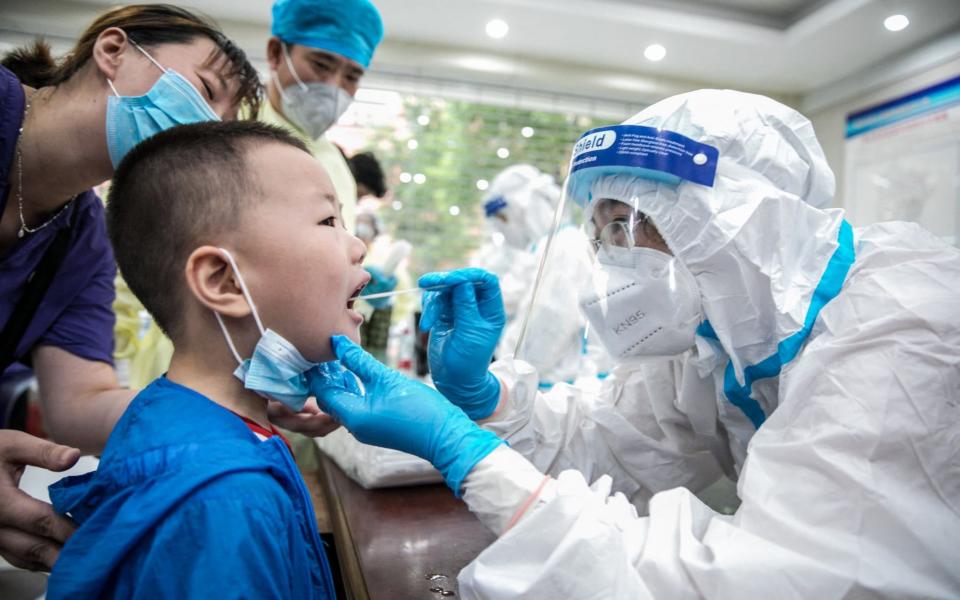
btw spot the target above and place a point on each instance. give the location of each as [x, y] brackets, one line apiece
[454, 150]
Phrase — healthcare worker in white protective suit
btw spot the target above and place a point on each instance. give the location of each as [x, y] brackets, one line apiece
[818, 364]
[520, 206]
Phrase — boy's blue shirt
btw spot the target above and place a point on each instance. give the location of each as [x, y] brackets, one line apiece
[188, 503]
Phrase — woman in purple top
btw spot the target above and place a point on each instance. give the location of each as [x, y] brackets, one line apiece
[63, 129]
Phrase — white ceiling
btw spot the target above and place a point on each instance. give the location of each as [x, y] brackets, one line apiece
[719, 45]
[781, 47]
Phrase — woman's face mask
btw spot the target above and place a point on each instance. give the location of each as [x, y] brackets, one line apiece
[642, 301]
[645, 303]
[170, 102]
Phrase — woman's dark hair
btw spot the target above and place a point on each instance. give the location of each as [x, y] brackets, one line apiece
[148, 25]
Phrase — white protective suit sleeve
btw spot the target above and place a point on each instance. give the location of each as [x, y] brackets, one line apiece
[642, 427]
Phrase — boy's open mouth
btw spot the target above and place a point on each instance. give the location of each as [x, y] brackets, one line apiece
[353, 298]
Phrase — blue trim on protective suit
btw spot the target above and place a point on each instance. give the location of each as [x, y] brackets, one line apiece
[705, 329]
[830, 285]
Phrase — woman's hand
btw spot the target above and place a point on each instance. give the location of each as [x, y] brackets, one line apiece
[310, 421]
[31, 533]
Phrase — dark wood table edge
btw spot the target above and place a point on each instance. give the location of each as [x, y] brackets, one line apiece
[350, 569]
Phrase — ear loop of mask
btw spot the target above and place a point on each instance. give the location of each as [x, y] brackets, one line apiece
[145, 53]
[286, 57]
[276, 81]
[303, 86]
[276, 78]
[249, 299]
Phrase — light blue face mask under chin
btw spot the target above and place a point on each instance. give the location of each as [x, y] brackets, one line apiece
[171, 101]
[277, 370]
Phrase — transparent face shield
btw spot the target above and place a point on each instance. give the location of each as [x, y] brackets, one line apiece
[544, 268]
[634, 297]
[547, 329]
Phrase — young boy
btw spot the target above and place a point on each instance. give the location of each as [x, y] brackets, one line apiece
[219, 229]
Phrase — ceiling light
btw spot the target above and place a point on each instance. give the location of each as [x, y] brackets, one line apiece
[896, 22]
[497, 29]
[454, 210]
[423, 120]
[405, 177]
[419, 178]
[482, 184]
[655, 52]
[397, 205]
[527, 132]
[412, 144]
[503, 153]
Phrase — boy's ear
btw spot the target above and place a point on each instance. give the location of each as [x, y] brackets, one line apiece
[213, 282]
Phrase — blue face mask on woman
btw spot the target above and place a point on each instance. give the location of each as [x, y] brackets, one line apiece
[171, 101]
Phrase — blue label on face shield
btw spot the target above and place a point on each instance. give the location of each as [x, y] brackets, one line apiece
[645, 152]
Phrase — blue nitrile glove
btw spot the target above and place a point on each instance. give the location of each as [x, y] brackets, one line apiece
[402, 414]
[465, 320]
[379, 282]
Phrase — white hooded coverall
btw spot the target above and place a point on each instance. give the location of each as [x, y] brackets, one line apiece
[829, 387]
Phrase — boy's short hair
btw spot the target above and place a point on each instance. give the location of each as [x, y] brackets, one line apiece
[176, 191]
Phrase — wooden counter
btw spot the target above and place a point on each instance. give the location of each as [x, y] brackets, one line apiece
[389, 541]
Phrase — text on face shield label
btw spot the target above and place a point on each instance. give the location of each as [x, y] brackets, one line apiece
[644, 152]
[600, 140]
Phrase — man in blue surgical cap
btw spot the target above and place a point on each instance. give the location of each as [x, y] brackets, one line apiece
[317, 54]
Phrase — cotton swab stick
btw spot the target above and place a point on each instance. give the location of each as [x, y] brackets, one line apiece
[397, 292]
